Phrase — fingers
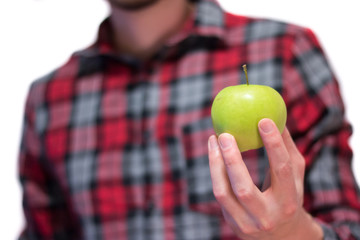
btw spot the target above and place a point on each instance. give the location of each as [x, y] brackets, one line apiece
[231, 179]
[280, 159]
[220, 181]
[245, 207]
[298, 161]
[239, 176]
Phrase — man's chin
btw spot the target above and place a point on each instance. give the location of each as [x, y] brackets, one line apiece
[132, 5]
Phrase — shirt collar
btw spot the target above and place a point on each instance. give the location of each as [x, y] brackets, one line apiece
[207, 20]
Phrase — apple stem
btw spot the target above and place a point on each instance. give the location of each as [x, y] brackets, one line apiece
[246, 74]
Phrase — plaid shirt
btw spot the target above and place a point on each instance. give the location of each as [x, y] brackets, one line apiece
[113, 148]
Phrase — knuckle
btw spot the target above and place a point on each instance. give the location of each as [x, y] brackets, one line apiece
[267, 225]
[285, 170]
[220, 194]
[229, 160]
[244, 194]
[302, 164]
[290, 209]
[247, 229]
[276, 143]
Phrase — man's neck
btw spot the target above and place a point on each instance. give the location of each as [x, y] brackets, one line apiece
[141, 33]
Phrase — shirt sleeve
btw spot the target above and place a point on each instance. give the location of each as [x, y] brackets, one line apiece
[47, 214]
[317, 122]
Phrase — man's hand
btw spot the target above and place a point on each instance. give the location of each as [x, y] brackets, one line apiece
[276, 212]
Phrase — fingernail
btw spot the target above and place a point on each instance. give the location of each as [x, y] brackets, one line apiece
[225, 140]
[266, 125]
[212, 142]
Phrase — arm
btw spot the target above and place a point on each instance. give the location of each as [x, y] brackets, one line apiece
[47, 214]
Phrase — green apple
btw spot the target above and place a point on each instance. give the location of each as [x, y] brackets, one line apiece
[238, 109]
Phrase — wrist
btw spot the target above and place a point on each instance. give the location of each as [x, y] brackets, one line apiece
[308, 227]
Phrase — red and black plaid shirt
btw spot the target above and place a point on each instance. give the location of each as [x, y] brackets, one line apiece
[113, 148]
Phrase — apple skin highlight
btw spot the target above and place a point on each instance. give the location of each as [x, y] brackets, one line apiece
[238, 109]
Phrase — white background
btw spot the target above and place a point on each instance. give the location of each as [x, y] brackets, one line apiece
[36, 36]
